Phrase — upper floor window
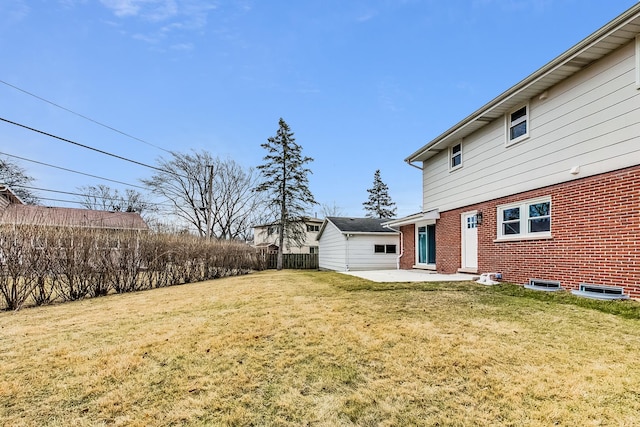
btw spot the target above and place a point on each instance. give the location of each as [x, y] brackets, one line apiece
[311, 227]
[518, 125]
[455, 157]
[527, 219]
[272, 229]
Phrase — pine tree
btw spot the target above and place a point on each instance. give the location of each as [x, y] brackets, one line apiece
[379, 204]
[286, 185]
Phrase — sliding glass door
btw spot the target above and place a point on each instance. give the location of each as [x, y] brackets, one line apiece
[427, 244]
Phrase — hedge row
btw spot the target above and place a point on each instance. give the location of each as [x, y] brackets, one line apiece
[39, 266]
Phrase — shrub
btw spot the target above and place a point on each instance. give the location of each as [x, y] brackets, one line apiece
[45, 264]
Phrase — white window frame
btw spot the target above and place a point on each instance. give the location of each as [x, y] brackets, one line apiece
[452, 155]
[509, 124]
[386, 249]
[525, 233]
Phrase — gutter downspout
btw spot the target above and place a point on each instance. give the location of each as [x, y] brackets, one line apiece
[401, 243]
[346, 254]
[415, 166]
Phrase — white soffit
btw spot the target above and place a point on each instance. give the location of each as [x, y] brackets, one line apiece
[607, 39]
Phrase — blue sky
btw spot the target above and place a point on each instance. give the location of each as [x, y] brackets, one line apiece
[362, 83]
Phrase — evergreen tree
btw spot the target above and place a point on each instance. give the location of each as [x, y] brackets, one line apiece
[286, 185]
[379, 204]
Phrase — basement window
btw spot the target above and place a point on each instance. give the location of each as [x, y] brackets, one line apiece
[600, 292]
[543, 285]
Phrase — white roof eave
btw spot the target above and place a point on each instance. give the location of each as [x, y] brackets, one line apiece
[610, 37]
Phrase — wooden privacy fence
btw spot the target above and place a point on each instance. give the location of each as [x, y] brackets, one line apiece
[294, 261]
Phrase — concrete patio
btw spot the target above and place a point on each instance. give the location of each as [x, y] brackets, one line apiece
[411, 276]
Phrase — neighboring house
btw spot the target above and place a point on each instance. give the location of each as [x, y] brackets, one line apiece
[543, 182]
[13, 212]
[348, 244]
[265, 238]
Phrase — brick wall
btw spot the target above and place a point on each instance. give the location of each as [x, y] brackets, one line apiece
[448, 235]
[595, 226]
[408, 258]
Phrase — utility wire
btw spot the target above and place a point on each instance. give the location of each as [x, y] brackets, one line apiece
[73, 171]
[87, 147]
[76, 202]
[84, 117]
[84, 195]
[80, 203]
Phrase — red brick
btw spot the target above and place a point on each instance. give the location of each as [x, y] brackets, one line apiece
[595, 228]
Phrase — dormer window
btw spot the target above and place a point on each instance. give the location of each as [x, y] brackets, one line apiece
[518, 125]
[455, 157]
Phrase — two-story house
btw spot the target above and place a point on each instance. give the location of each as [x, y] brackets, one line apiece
[542, 184]
[265, 237]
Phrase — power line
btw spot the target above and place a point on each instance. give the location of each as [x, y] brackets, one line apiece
[73, 171]
[81, 194]
[80, 203]
[84, 117]
[86, 146]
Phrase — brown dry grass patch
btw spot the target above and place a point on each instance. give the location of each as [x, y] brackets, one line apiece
[310, 348]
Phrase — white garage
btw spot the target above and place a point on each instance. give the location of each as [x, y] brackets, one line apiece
[349, 244]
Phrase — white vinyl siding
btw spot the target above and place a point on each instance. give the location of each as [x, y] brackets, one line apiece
[361, 255]
[338, 253]
[590, 120]
[332, 255]
[638, 61]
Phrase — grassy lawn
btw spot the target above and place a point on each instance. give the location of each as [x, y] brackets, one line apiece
[312, 348]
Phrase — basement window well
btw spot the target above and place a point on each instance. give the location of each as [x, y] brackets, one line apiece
[543, 285]
[600, 292]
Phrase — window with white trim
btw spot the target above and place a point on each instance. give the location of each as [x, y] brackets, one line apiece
[455, 157]
[526, 219]
[384, 249]
[518, 124]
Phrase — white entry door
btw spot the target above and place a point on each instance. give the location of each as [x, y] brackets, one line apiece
[470, 241]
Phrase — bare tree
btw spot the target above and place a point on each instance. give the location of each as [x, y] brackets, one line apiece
[331, 210]
[235, 205]
[14, 176]
[104, 198]
[190, 180]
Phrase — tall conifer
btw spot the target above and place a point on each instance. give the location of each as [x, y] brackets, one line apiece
[379, 204]
[286, 185]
